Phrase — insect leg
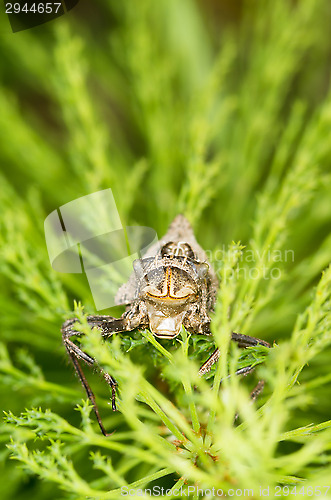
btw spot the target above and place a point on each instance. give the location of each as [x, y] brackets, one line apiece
[243, 341]
[257, 390]
[206, 367]
[247, 341]
[108, 326]
[73, 354]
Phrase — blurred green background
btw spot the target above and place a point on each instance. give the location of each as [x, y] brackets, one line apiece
[219, 110]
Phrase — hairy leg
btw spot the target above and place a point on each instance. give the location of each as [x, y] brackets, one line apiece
[243, 341]
[107, 326]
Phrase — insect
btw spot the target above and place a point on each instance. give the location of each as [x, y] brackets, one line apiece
[172, 285]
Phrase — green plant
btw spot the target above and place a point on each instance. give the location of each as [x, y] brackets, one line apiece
[232, 131]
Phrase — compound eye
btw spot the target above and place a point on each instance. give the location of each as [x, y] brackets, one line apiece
[168, 249]
[178, 249]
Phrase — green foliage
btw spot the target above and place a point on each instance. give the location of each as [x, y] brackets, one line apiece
[176, 109]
